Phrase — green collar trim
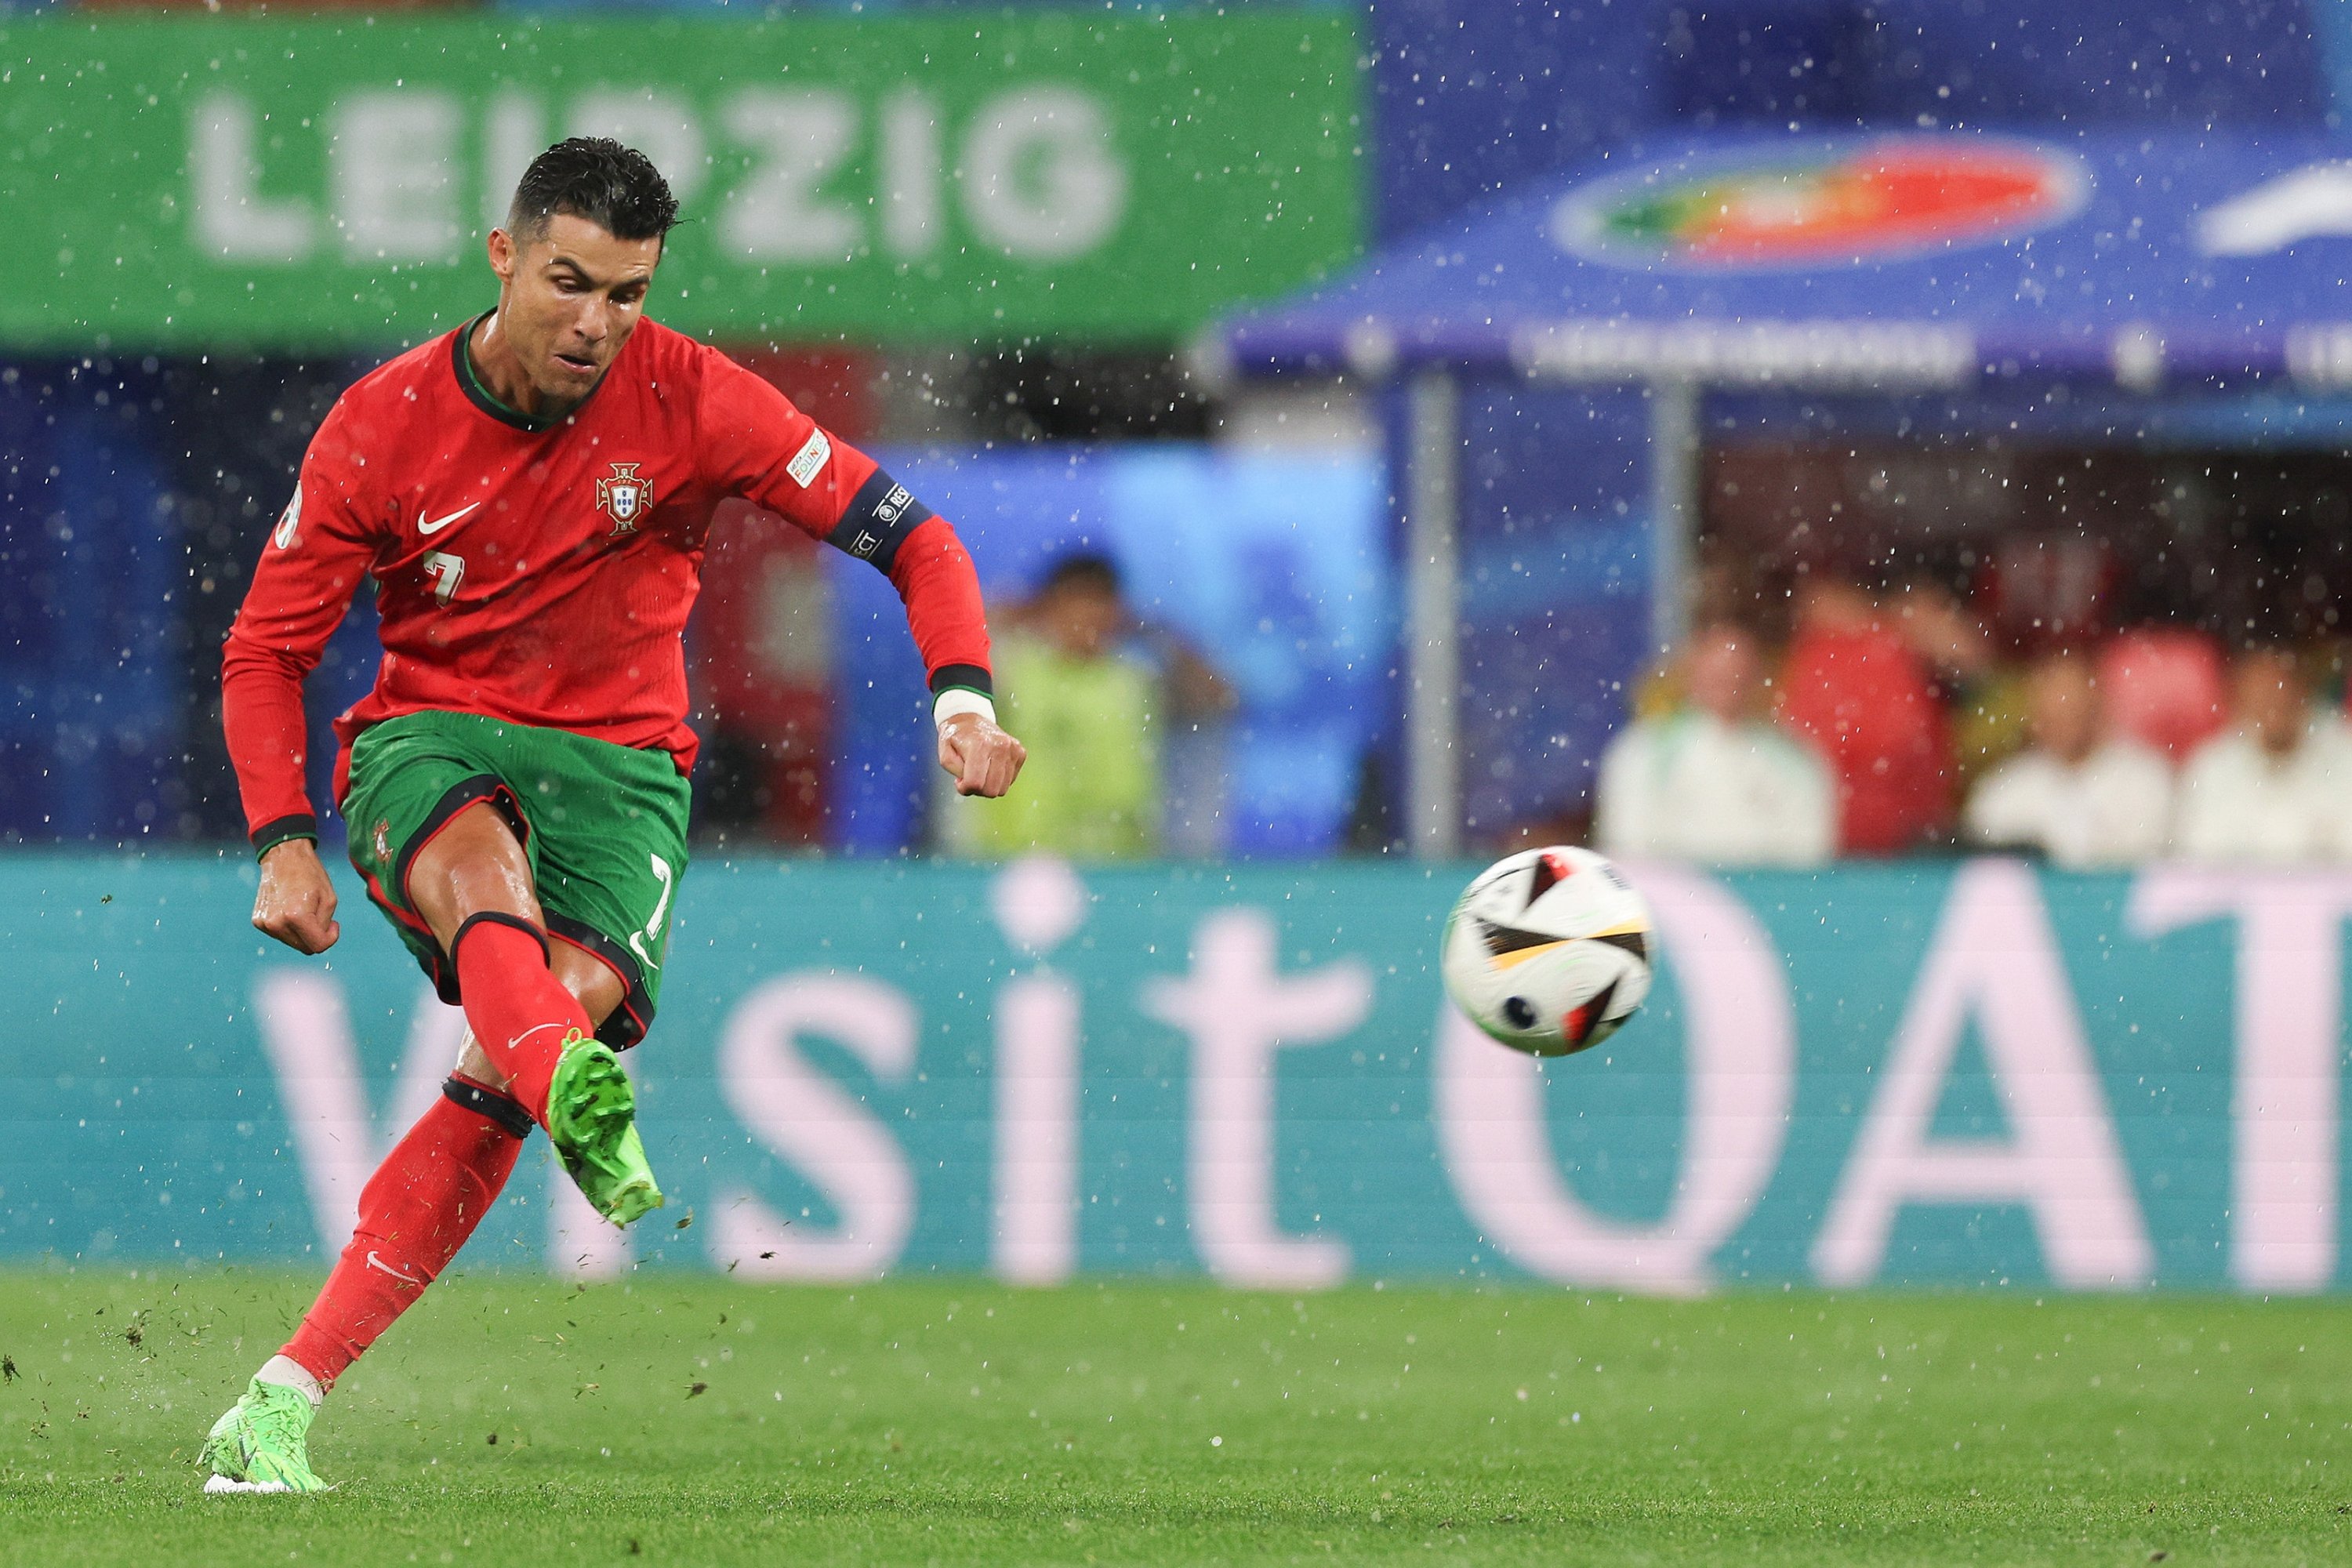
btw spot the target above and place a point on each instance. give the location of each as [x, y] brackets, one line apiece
[480, 395]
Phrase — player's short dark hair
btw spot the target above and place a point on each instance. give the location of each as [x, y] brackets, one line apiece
[615, 187]
[1084, 571]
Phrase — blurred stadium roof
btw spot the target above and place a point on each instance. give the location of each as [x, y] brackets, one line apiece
[1894, 259]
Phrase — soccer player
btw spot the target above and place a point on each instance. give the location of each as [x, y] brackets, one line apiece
[529, 494]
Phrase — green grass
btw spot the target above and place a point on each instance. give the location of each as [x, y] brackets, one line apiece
[1143, 1423]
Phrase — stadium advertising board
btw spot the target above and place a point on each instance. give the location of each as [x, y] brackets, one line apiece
[1970, 1075]
[221, 182]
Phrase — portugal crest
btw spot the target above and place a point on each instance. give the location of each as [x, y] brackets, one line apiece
[624, 498]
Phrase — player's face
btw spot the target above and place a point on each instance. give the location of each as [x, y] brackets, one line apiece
[569, 298]
[2063, 708]
[1721, 671]
[2272, 700]
[1084, 622]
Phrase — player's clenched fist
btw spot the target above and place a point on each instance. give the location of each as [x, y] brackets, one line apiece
[983, 759]
[296, 902]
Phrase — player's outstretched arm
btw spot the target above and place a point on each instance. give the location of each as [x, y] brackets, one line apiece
[319, 550]
[756, 445]
[296, 902]
[982, 758]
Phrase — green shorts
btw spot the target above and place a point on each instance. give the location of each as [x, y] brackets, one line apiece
[604, 826]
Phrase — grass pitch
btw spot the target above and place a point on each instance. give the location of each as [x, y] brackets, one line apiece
[691, 1421]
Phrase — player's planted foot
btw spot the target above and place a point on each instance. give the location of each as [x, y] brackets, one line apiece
[261, 1444]
[592, 1114]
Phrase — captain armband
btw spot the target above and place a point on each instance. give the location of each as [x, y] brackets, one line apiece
[878, 521]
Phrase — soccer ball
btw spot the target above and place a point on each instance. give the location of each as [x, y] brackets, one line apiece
[1548, 951]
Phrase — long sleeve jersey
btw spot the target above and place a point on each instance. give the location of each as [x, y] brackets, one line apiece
[541, 572]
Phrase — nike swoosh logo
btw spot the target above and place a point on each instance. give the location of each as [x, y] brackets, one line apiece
[375, 1262]
[437, 525]
[527, 1033]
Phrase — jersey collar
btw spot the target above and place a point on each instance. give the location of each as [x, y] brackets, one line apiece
[481, 396]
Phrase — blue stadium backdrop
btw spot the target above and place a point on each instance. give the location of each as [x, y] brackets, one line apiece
[1973, 1075]
[1272, 566]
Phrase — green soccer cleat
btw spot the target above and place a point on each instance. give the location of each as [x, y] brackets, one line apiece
[259, 1445]
[592, 1114]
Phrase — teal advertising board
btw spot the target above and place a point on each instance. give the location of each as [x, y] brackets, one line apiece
[208, 182]
[1978, 1074]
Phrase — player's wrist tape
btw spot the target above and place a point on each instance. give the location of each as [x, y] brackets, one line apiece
[956, 700]
[271, 834]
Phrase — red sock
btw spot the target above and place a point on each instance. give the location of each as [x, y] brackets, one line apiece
[415, 1212]
[521, 1013]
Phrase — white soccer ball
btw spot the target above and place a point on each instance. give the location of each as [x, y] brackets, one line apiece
[1548, 951]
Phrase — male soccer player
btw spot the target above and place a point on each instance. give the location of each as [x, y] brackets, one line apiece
[530, 494]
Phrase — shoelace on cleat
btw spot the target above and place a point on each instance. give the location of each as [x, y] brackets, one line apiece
[279, 1424]
[596, 1087]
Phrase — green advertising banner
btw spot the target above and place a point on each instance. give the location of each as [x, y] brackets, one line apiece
[1978, 1074]
[951, 177]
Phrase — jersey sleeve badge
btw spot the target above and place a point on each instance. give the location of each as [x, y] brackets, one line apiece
[809, 459]
[624, 498]
[289, 532]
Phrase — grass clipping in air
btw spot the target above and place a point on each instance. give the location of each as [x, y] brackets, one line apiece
[687, 1420]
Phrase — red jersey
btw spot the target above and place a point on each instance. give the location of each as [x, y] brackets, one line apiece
[541, 572]
[1867, 700]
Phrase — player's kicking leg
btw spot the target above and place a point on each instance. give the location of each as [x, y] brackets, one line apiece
[548, 1060]
[473, 885]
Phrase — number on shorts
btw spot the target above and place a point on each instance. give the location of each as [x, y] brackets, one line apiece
[637, 939]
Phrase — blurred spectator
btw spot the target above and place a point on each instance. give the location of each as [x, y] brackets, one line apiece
[763, 672]
[763, 649]
[2272, 787]
[2079, 795]
[2165, 687]
[1714, 779]
[1943, 630]
[1984, 702]
[1087, 707]
[1857, 683]
[1989, 725]
[1196, 759]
